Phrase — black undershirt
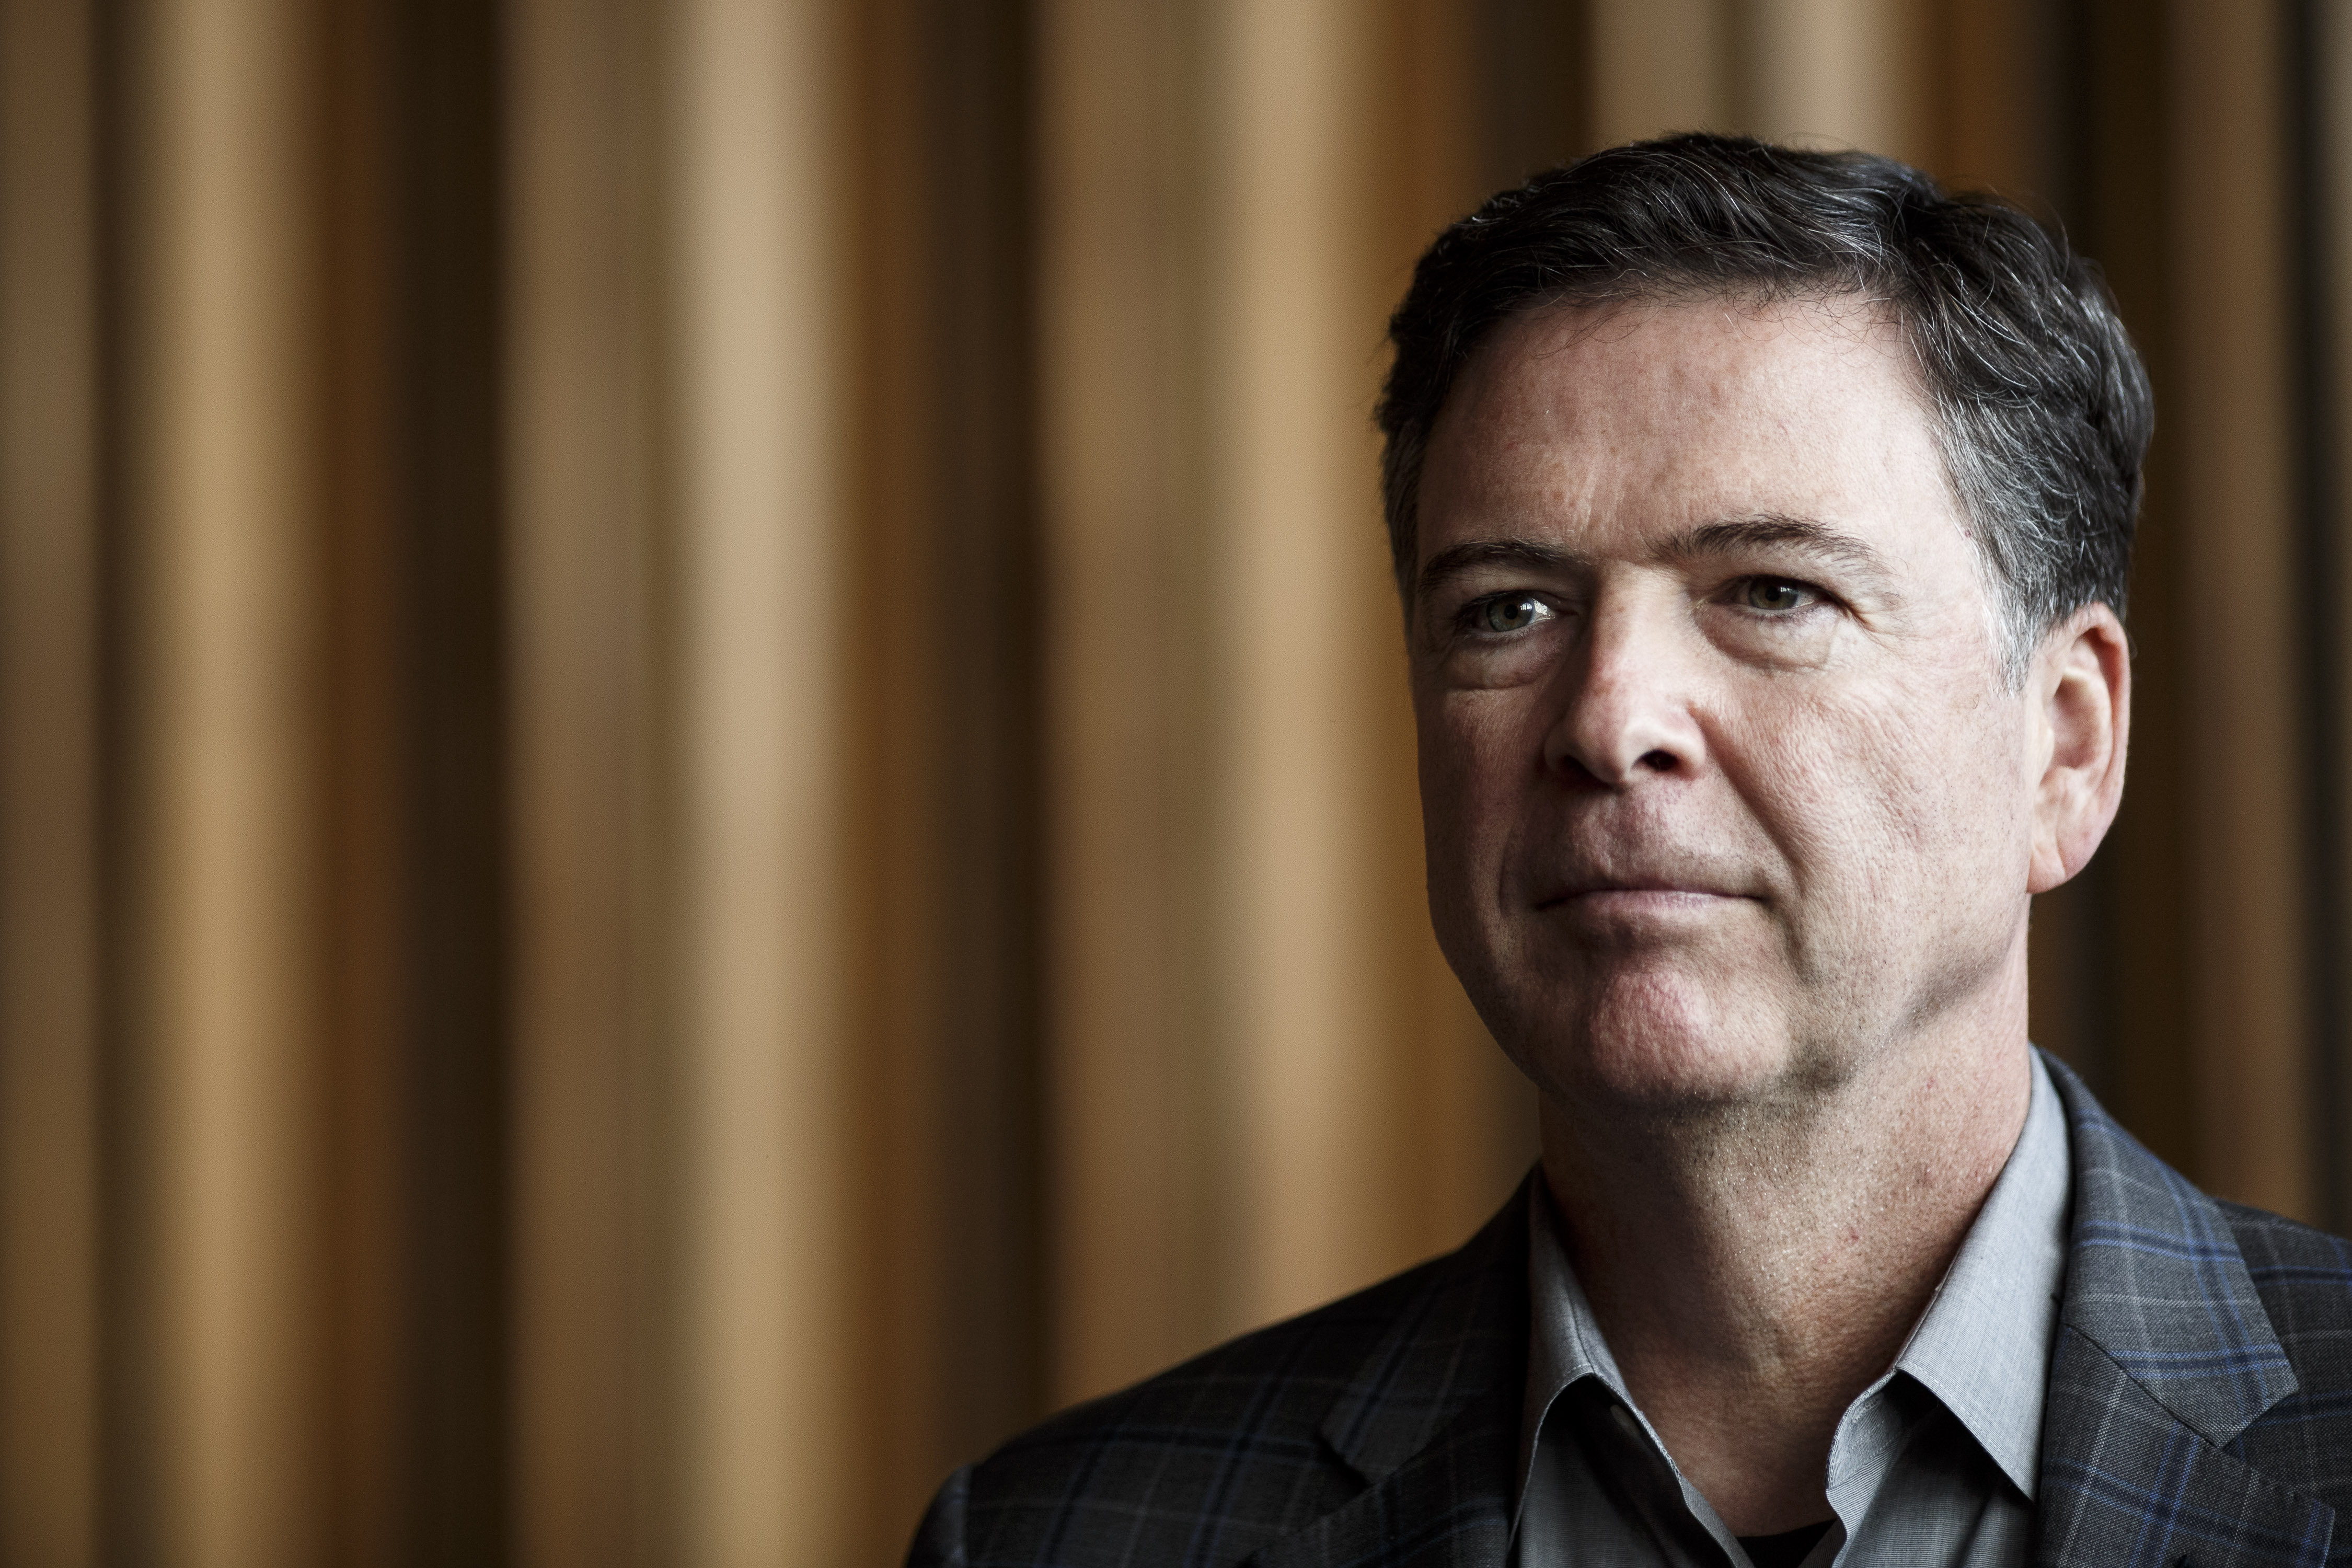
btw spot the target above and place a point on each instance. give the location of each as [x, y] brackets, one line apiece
[1786, 1550]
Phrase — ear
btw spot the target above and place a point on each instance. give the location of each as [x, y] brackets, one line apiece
[2080, 686]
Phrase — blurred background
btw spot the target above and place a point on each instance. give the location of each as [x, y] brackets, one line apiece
[704, 782]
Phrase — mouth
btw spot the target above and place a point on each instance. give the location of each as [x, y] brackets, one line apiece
[1636, 893]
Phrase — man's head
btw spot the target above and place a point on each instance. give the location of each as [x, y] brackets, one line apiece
[1762, 517]
[2042, 409]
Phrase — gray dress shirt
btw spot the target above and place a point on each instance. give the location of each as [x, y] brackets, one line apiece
[1932, 1465]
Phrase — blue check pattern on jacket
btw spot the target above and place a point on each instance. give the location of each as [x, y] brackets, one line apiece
[2200, 1410]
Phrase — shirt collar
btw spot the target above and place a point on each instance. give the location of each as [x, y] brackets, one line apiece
[1565, 1343]
[1983, 1347]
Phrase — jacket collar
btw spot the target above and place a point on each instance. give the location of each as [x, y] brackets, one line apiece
[1430, 1419]
[2155, 1281]
[2165, 1356]
[1465, 1336]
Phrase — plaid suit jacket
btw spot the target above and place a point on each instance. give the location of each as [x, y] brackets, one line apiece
[2200, 1410]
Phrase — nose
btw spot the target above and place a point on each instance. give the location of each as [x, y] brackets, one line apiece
[1625, 711]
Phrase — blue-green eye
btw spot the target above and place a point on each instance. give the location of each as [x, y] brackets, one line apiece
[1507, 612]
[1776, 595]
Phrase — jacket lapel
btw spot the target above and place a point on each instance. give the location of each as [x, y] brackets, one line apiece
[2164, 1356]
[1431, 1422]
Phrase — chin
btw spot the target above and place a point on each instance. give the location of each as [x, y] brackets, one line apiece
[1661, 1041]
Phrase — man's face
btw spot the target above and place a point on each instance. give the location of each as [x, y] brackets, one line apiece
[1723, 787]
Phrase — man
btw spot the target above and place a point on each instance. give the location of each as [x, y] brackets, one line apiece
[1762, 519]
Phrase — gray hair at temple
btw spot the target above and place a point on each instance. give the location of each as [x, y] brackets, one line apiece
[2042, 406]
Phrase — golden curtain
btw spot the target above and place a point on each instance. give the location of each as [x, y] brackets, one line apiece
[704, 782]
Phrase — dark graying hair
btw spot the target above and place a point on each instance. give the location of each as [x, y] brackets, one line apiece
[2042, 405]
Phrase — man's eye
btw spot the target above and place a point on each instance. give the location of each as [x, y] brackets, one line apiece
[1776, 595]
[1506, 612]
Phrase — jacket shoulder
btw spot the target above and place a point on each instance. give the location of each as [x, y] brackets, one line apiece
[1287, 1373]
[2305, 1279]
[1204, 1463]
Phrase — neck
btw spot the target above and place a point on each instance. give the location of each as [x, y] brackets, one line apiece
[1755, 1269]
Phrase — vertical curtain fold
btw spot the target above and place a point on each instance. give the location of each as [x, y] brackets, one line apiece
[593, 1098]
[229, 879]
[769, 1201]
[51, 895]
[2234, 474]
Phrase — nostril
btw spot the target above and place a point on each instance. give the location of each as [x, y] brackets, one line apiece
[1662, 762]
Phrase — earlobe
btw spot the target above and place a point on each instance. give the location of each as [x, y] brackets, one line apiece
[2082, 678]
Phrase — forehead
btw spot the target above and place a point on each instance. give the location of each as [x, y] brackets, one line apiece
[1625, 418]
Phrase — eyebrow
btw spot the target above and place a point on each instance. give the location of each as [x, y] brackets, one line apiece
[1527, 554]
[1769, 527]
[1720, 538]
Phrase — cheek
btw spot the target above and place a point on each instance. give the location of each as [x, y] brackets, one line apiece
[1896, 801]
[1474, 763]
